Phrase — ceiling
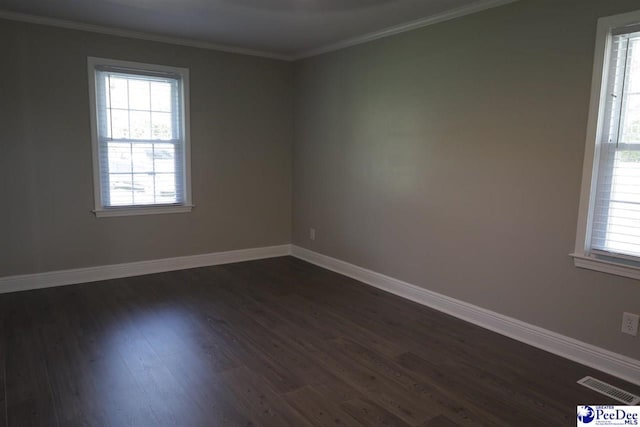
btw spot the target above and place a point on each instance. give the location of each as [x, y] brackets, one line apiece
[284, 28]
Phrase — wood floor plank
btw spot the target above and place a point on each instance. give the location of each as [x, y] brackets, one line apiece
[319, 410]
[385, 391]
[437, 402]
[437, 399]
[107, 349]
[267, 342]
[485, 394]
[370, 414]
[440, 421]
[30, 399]
[257, 397]
[3, 362]
[208, 389]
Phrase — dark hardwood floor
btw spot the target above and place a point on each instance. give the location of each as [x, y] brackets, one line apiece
[275, 342]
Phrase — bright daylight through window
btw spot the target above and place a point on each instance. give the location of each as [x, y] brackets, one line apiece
[140, 141]
[609, 232]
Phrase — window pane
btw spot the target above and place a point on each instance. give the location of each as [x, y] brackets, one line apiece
[107, 100]
[623, 232]
[166, 188]
[164, 158]
[120, 189]
[106, 123]
[634, 66]
[162, 128]
[161, 96]
[140, 125]
[143, 189]
[118, 92]
[119, 124]
[631, 120]
[143, 158]
[139, 97]
[625, 186]
[119, 157]
[633, 102]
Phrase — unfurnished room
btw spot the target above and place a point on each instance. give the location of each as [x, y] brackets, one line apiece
[319, 213]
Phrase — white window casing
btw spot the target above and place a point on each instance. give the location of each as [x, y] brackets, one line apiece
[140, 138]
[608, 231]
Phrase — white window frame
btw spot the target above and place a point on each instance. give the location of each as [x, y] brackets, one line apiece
[100, 210]
[582, 255]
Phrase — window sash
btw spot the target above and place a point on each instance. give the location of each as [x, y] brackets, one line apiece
[598, 125]
[102, 74]
[177, 174]
[615, 217]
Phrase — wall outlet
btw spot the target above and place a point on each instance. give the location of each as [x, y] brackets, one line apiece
[312, 233]
[630, 323]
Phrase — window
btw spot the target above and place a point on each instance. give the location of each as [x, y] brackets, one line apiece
[608, 237]
[140, 126]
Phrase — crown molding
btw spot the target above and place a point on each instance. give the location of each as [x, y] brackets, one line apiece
[475, 7]
[120, 32]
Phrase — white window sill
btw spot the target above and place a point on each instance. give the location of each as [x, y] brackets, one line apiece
[142, 210]
[592, 263]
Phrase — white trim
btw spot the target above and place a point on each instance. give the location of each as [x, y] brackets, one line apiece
[120, 32]
[612, 363]
[142, 210]
[459, 12]
[116, 271]
[183, 73]
[93, 122]
[475, 7]
[615, 364]
[616, 268]
[186, 120]
[582, 249]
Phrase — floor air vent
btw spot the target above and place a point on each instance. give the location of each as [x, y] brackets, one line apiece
[609, 390]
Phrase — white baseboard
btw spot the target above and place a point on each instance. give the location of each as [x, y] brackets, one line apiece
[612, 363]
[578, 351]
[116, 271]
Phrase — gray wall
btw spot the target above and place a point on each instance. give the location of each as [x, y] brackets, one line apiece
[451, 157]
[241, 154]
